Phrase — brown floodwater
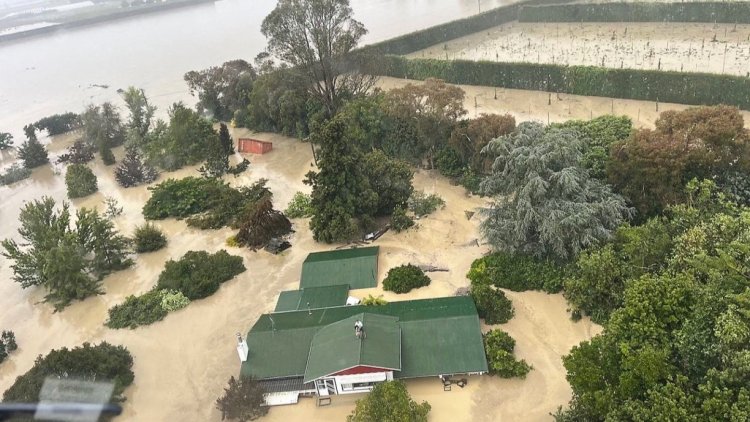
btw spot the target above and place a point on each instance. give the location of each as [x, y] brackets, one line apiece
[183, 362]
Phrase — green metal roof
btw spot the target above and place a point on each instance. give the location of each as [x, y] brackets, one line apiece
[438, 336]
[356, 267]
[312, 298]
[335, 347]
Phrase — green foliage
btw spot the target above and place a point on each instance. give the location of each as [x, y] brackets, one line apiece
[390, 180]
[260, 223]
[516, 272]
[492, 305]
[183, 142]
[199, 274]
[371, 300]
[598, 135]
[33, 153]
[222, 89]
[330, 33]
[210, 203]
[498, 346]
[141, 114]
[242, 400]
[112, 208]
[471, 181]
[450, 163]
[469, 137]
[145, 309]
[173, 300]
[132, 171]
[421, 204]
[78, 153]
[14, 173]
[148, 238]
[389, 401]
[137, 310]
[546, 204]
[7, 344]
[80, 181]
[678, 331]
[103, 130]
[217, 161]
[400, 221]
[226, 140]
[652, 166]
[404, 278]
[6, 141]
[299, 207]
[709, 12]
[101, 362]
[600, 275]
[340, 189]
[636, 84]
[69, 262]
[59, 123]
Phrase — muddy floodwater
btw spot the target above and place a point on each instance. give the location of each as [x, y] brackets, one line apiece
[69, 69]
[551, 107]
[689, 47]
[183, 362]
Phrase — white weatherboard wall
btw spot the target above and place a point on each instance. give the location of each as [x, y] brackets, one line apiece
[360, 383]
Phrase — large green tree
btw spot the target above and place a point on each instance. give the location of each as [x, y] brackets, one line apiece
[651, 167]
[33, 153]
[469, 137]
[677, 346]
[317, 36]
[546, 204]
[389, 401]
[69, 261]
[184, 141]
[341, 191]
[222, 90]
[141, 114]
[103, 129]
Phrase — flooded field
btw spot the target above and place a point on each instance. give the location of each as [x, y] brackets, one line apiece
[550, 108]
[689, 47]
[183, 362]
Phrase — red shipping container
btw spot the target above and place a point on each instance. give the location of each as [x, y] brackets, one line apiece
[254, 146]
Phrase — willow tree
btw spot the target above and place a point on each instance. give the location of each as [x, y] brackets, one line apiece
[545, 203]
[317, 36]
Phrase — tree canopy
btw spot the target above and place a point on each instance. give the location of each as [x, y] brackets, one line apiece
[389, 401]
[545, 203]
[317, 36]
[222, 89]
[69, 261]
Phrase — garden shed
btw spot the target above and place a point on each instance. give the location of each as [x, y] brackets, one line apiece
[254, 146]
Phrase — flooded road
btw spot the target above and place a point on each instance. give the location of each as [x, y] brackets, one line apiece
[65, 71]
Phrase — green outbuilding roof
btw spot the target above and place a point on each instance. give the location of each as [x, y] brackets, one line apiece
[312, 298]
[335, 347]
[356, 267]
[438, 337]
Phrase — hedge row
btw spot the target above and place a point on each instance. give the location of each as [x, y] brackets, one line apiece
[428, 37]
[728, 12]
[651, 85]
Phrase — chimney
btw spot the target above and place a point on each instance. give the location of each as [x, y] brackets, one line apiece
[242, 349]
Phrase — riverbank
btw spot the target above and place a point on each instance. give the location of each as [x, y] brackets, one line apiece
[100, 17]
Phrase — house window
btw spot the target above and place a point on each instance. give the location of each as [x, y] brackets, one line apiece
[358, 386]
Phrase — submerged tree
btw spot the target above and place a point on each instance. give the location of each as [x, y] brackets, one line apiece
[6, 140]
[260, 223]
[242, 400]
[78, 153]
[217, 162]
[226, 139]
[132, 171]
[32, 152]
[141, 113]
[546, 204]
[103, 130]
[222, 90]
[389, 401]
[317, 36]
[68, 261]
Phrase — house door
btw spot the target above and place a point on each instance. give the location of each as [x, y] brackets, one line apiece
[330, 385]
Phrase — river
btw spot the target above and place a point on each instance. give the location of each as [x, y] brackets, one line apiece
[65, 71]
